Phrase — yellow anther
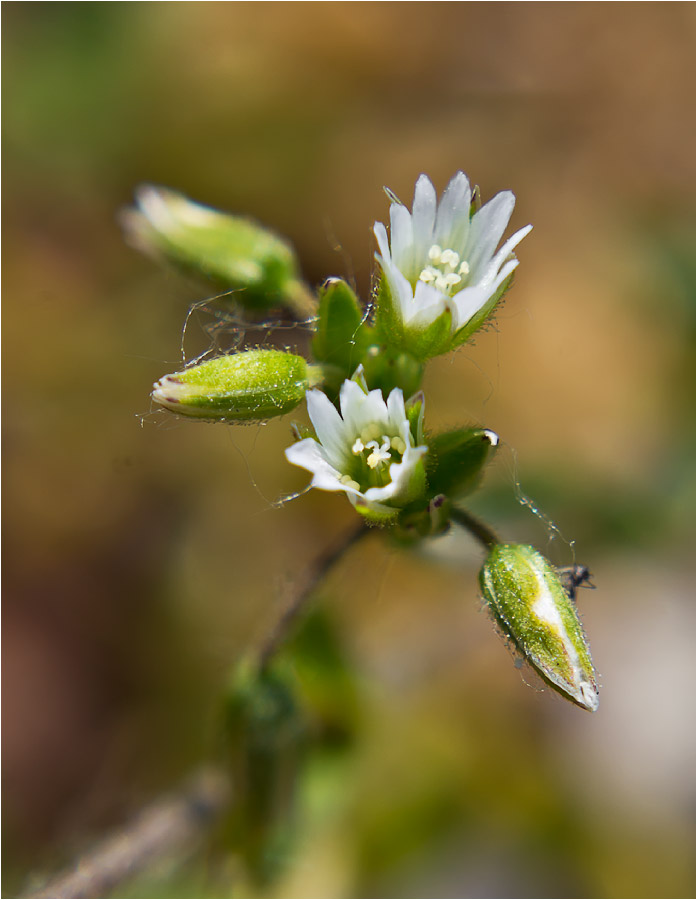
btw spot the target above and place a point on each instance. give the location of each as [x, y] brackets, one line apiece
[464, 268]
[434, 254]
[398, 444]
[358, 446]
[449, 258]
[369, 433]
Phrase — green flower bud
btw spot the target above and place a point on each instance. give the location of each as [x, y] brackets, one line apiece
[536, 614]
[456, 460]
[233, 253]
[342, 336]
[242, 387]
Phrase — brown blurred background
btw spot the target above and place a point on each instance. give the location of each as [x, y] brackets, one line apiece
[143, 555]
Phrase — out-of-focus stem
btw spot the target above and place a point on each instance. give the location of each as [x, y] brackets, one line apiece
[170, 827]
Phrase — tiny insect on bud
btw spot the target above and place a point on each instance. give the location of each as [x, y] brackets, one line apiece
[532, 608]
[250, 386]
[574, 577]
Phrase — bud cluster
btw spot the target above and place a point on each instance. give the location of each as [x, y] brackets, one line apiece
[441, 276]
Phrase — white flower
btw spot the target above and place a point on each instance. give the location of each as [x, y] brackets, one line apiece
[439, 259]
[369, 451]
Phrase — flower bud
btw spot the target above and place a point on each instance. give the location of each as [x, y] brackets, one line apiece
[248, 386]
[233, 253]
[456, 460]
[341, 337]
[535, 613]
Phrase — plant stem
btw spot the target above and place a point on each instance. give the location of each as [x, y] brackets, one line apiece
[478, 529]
[303, 589]
[169, 827]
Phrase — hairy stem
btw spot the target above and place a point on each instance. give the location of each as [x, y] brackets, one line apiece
[478, 529]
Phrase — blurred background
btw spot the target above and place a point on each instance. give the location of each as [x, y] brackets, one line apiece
[144, 554]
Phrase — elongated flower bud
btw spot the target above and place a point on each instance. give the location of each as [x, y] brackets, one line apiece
[232, 252]
[534, 611]
[250, 386]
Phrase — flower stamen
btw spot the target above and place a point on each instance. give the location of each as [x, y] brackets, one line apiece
[441, 274]
[380, 454]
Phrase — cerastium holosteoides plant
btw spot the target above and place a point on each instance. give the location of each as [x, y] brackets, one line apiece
[440, 278]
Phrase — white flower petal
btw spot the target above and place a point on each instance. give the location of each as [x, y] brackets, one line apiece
[396, 414]
[423, 216]
[400, 289]
[486, 230]
[428, 303]
[380, 233]
[470, 300]
[400, 477]
[508, 248]
[328, 425]
[360, 409]
[453, 217]
[308, 454]
[401, 237]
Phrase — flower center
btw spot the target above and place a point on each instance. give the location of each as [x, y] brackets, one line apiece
[374, 454]
[445, 271]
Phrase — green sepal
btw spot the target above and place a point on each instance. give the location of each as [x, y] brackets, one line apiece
[421, 520]
[476, 202]
[232, 253]
[376, 514]
[342, 335]
[414, 408]
[480, 317]
[534, 611]
[420, 343]
[253, 385]
[388, 367]
[456, 460]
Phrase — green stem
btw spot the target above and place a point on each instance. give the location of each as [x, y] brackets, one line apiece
[478, 529]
